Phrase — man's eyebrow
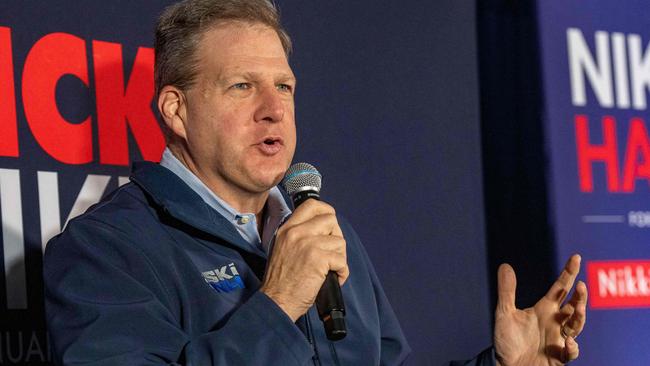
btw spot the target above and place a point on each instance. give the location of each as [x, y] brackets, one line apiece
[286, 77]
[252, 75]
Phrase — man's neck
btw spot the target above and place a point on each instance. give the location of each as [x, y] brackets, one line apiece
[259, 219]
[240, 200]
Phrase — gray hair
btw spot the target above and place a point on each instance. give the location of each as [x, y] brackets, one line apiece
[181, 26]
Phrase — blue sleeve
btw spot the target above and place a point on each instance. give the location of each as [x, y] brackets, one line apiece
[485, 358]
[105, 305]
[394, 347]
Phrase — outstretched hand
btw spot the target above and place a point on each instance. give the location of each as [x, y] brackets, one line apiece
[546, 333]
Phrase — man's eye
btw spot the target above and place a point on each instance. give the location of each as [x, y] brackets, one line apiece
[241, 86]
[285, 87]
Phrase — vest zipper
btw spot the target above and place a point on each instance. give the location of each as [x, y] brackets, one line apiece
[312, 340]
[334, 355]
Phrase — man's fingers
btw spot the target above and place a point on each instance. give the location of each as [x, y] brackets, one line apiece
[307, 210]
[329, 251]
[328, 243]
[575, 323]
[571, 350]
[560, 289]
[507, 285]
[311, 218]
[339, 264]
[325, 224]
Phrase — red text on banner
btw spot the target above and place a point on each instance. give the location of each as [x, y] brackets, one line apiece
[619, 284]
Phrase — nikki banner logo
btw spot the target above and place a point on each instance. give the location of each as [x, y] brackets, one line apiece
[618, 73]
[619, 284]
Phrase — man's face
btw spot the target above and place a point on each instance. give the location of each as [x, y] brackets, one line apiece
[240, 128]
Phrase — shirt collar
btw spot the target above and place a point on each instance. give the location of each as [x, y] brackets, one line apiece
[275, 212]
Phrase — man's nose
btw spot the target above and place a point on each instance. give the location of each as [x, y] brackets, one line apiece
[271, 107]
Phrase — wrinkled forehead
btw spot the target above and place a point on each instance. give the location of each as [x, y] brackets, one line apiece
[236, 45]
[231, 36]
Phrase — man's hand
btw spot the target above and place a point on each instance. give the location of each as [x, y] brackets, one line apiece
[307, 247]
[544, 334]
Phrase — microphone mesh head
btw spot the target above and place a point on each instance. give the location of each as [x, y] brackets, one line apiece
[301, 176]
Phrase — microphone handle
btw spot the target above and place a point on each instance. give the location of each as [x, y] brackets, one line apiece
[329, 300]
[331, 309]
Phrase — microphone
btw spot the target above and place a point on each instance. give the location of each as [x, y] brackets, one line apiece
[302, 181]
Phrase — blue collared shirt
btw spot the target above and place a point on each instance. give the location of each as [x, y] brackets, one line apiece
[245, 223]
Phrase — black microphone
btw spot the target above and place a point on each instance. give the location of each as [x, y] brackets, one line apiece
[302, 181]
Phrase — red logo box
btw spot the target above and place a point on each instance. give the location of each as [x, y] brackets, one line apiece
[619, 284]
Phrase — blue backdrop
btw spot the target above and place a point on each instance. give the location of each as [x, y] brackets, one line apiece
[387, 108]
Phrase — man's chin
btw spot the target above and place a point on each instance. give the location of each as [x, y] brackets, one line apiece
[267, 182]
[270, 176]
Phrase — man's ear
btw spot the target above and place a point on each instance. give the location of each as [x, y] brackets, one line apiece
[173, 110]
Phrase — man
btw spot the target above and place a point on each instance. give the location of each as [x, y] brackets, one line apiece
[199, 260]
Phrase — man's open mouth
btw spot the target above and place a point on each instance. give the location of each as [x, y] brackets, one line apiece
[270, 145]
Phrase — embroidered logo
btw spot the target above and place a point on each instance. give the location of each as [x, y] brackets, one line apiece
[224, 279]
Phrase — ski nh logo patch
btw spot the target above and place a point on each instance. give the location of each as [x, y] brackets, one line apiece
[224, 279]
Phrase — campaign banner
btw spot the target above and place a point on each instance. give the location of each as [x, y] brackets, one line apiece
[595, 61]
[75, 111]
